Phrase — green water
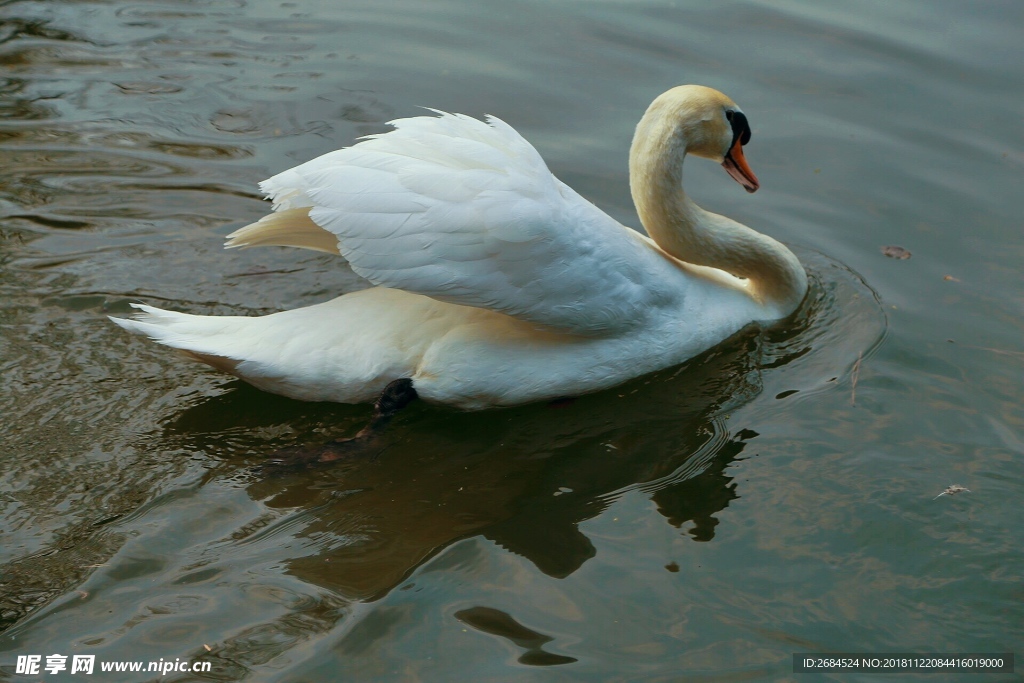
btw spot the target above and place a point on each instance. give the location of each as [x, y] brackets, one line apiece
[776, 495]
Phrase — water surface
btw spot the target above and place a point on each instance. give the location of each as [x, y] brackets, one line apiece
[775, 495]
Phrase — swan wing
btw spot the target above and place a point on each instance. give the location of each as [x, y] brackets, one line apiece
[466, 211]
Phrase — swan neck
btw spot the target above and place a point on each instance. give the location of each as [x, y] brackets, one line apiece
[776, 279]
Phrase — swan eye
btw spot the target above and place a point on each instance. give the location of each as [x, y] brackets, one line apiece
[740, 127]
[728, 115]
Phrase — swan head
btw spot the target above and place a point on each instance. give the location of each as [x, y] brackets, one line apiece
[695, 119]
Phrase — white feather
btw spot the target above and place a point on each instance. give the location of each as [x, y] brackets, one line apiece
[466, 212]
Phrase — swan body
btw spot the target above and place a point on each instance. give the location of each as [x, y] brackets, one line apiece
[497, 284]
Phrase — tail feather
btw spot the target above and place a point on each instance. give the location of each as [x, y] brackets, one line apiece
[196, 336]
[285, 228]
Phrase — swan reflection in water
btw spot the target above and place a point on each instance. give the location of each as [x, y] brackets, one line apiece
[526, 477]
[523, 477]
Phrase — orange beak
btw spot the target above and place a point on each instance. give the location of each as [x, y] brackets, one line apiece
[736, 165]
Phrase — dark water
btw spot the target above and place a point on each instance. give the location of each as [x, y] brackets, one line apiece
[776, 495]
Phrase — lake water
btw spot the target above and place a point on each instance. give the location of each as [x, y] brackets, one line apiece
[774, 496]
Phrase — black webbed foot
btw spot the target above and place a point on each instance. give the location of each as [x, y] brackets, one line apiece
[339, 449]
[563, 402]
[396, 395]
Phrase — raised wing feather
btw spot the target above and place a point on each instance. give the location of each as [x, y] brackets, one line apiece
[467, 212]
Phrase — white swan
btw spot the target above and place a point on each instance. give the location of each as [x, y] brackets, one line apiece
[497, 284]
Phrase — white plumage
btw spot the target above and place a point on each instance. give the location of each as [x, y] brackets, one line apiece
[496, 283]
[468, 213]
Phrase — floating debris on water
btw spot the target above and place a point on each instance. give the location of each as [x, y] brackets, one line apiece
[952, 490]
[855, 374]
[892, 251]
